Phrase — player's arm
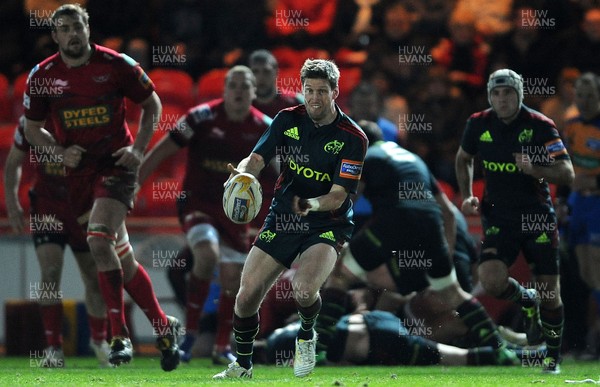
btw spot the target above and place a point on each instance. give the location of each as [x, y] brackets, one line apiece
[252, 164]
[131, 156]
[329, 202]
[464, 176]
[36, 135]
[12, 179]
[560, 172]
[449, 219]
[164, 149]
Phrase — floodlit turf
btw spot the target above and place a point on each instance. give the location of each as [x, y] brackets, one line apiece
[145, 371]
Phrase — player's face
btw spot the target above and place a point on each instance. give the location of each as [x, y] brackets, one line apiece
[239, 91]
[72, 36]
[319, 98]
[505, 102]
[587, 100]
[266, 78]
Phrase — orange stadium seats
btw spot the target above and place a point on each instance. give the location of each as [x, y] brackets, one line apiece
[5, 98]
[173, 86]
[349, 78]
[19, 85]
[211, 84]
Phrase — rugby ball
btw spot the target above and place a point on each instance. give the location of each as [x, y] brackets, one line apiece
[242, 198]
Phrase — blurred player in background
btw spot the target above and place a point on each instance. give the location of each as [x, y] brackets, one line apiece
[216, 133]
[54, 223]
[521, 152]
[81, 90]
[321, 152]
[408, 243]
[582, 137]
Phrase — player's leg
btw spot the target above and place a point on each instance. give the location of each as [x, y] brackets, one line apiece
[542, 251]
[204, 241]
[138, 285]
[106, 218]
[258, 275]
[48, 295]
[499, 251]
[230, 271]
[379, 337]
[314, 266]
[95, 306]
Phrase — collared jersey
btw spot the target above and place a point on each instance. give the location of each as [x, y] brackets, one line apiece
[395, 177]
[86, 103]
[213, 141]
[583, 141]
[507, 190]
[312, 158]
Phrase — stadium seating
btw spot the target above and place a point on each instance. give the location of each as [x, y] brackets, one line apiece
[19, 85]
[211, 84]
[5, 100]
[173, 86]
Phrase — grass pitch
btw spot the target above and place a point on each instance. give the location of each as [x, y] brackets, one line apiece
[145, 371]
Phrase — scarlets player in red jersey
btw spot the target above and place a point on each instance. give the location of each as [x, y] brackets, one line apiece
[216, 133]
[81, 89]
[53, 223]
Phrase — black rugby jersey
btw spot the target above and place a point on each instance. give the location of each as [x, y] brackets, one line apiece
[312, 158]
[395, 177]
[507, 190]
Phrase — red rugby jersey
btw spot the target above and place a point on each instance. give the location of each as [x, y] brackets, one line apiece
[213, 141]
[86, 103]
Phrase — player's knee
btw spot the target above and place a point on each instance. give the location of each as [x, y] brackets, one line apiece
[101, 239]
[51, 274]
[123, 247]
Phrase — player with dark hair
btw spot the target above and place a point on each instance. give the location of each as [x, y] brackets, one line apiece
[521, 153]
[407, 245]
[82, 90]
[324, 152]
[216, 133]
[54, 224]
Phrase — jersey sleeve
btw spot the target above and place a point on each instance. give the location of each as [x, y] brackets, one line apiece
[350, 165]
[553, 144]
[187, 125]
[35, 101]
[135, 83]
[271, 138]
[469, 140]
[19, 140]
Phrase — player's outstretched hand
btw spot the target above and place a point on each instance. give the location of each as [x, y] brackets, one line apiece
[232, 173]
[470, 206]
[128, 157]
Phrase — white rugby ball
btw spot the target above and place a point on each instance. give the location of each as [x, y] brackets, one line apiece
[242, 198]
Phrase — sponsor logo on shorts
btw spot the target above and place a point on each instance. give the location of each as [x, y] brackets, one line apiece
[351, 169]
[328, 235]
[267, 236]
[492, 230]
